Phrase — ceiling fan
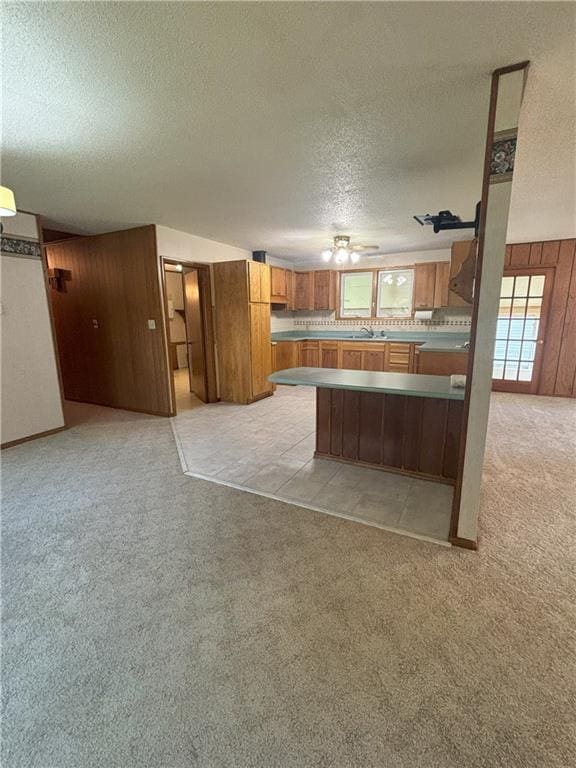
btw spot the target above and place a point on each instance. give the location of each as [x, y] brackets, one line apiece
[342, 252]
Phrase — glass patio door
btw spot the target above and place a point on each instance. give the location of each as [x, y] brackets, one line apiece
[522, 315]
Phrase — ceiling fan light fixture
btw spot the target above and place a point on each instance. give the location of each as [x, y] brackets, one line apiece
[342, 251]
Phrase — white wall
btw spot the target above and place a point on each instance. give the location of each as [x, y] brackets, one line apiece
[181, 246]
[31, 401]
[543, 203]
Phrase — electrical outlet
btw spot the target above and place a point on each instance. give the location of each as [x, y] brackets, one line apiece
[152, 325]
[95, 324]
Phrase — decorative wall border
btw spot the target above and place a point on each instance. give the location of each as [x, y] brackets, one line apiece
[17, 246]
[402, 323]
[503, 155]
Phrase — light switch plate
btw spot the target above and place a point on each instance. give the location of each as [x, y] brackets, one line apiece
[152, 325]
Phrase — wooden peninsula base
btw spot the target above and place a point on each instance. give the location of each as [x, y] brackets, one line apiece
[416, 435]
[400, 422]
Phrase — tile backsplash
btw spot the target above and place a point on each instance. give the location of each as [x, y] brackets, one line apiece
[453, 319]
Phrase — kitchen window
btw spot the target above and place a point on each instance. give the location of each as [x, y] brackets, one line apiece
[377, 293]
[395, 289]
[356, 294]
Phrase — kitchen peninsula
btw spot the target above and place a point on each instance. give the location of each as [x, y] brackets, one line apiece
[401, 422]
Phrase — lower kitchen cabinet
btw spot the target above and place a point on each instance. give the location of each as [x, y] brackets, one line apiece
[441, 363]
[329, 354]
[399, 357]
[374, 359]
[285, 355]
[393, 356]
[351, 357]
[309, 354]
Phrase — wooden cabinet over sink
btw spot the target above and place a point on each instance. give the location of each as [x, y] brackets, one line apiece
[315, 290]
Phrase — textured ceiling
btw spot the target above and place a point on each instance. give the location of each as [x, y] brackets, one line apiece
[276, 125]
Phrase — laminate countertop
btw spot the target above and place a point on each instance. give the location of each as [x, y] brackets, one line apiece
[428, 342]
[409, 384]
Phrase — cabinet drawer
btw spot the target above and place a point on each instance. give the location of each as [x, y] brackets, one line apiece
[402, 358]
[399, 346]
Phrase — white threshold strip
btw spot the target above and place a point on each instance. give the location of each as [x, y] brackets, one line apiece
[296, 503]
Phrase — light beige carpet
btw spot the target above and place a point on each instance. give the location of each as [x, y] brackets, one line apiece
[151, 619]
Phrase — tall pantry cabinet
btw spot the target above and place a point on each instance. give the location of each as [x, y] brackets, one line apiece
[242, 319]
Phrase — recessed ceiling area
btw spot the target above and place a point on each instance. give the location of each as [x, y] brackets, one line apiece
[275, 126]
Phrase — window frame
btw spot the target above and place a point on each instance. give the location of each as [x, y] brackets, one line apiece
[373, 308]
[339, 314]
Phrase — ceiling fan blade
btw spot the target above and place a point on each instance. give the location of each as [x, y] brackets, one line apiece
[365, 247]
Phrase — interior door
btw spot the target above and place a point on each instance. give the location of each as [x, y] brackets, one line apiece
[521, 328]
[195, 335]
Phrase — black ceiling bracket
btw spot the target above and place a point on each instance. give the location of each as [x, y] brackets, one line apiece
[448, 220]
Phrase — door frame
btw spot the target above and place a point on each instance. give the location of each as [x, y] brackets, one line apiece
[205, 288]
[531, 387]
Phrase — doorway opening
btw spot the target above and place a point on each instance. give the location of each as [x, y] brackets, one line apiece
[188, 301]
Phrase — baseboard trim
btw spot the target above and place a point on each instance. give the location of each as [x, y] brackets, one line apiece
[47, 433]
[464, 543]
[164, 414]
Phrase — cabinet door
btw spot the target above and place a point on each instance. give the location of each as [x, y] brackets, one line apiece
[258, 282]
[442, 363]
[265, 283]
[373, 360]
[260, 348]
[286, 355]
[352, 359]
[309, 354]
[289, 275]
[324, 289]
[328, 355]
[441, 284]
[277, 285]
[424, 284]
[303, 290]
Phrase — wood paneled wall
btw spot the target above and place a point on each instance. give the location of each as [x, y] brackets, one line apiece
[558, 375]
[416, 435]
[111, 289]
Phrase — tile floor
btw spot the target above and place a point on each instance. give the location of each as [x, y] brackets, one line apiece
[184, 398]
[268, 448]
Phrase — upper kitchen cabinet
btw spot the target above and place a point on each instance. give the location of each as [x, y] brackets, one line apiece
[278, 285]
[441, 284]
[242, 320]
[325, 289]
[315, 290]
[289, 289]
[462, 269]
[303, 290]
[258, 281]
[431, 285]
[424, 285]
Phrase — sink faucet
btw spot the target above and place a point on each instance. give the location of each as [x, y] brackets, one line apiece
[369, 331]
